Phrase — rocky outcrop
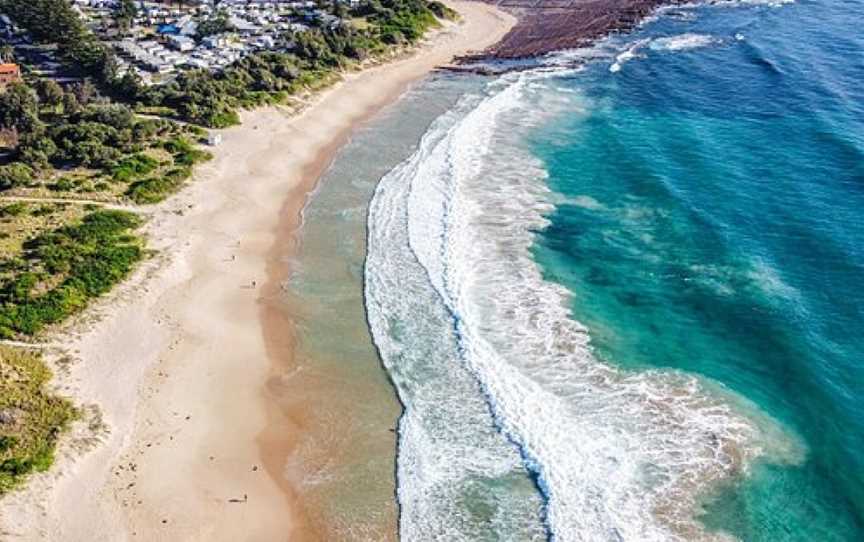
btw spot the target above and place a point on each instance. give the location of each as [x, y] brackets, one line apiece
[552, 25]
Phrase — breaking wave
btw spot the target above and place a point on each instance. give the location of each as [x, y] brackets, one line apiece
[629, 54]
[683, 42]
[509, 418]
[670, 44]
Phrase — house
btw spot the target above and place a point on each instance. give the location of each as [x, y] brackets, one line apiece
[264, 42]
[181, 43]
[215, 42]
[189, 28]
[149, 46]
[242, 26]
[9, 73]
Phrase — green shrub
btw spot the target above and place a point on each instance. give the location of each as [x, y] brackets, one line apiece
[177, 145]
[63, 184]
[43, 210]
[221, 119]
[31, 418]
[14, 209]
[136, 165]
[442, 11]
[154, 190]
[185, 153]
[82, 261]
[192, 157]
[150, 191]
[14, 175]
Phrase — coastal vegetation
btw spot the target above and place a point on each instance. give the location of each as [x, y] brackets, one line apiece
[57, 272]
[31, 417]
[98, 138]
[76, 143]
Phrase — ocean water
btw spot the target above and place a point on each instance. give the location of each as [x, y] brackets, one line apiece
[623, 299]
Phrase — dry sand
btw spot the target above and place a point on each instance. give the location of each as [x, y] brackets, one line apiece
[178, 358]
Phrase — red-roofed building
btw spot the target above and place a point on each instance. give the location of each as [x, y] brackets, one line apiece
[9, 73]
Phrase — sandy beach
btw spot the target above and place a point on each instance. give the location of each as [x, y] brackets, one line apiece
[176, 367]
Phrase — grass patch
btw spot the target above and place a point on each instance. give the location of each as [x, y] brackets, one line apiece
[59, 271]
[31, 418]
[184, 156]
[185, 153]
[134, 166]
[21, 221]
[157, 189]
[13, 209]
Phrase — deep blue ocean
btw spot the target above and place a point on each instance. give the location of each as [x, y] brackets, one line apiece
[718, 227]
[621, 296]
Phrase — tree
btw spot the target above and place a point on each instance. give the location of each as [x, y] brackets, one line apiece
[216, 24]
[128, 87]
[50, 93]
[37, 151]
[84, 92]
[15, 174]
[70, 104]
[312, 46]
[124, 14]
[117, 116]
[19, 108]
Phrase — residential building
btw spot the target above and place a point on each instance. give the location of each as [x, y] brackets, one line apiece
[181, 43]
[9, 73]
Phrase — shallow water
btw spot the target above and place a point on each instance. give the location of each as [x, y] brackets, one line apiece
[339, 395]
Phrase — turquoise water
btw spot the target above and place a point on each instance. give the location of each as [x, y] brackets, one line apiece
[714, 225]
[623, 300]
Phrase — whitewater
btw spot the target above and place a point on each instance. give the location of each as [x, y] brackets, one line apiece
[497, 378]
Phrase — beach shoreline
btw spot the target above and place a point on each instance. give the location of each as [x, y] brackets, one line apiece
[183, 357]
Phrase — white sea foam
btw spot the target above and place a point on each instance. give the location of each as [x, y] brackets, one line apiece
[586, 202]
[629, 54]
[683, 42]
[458, 477]
[466, 325]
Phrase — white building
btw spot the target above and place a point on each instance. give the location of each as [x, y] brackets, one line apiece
[181, 43]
